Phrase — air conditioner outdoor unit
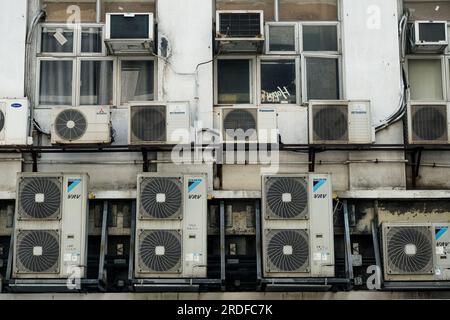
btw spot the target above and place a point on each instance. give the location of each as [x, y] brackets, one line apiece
[248, 124]
[416, 251]
[50, 230]
[240, 30]
[297, 226]
[171, 226]
[81, 125]
[340, 122]
[14, 123]
[129, 33]
[429, 37]
[428, 123]
[159, 123]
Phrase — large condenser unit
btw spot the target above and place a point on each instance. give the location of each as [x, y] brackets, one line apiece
[14, 116]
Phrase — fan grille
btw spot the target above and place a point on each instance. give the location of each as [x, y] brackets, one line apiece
[409, 250]
[240, 25]
[2, 120]
[37, 251]
[70, 124]
[161, 198]
[286, 197]
[39, 198]
[287, 251]
[330, 123]
[239, 124]
[160, 251]
[429, 123]
[148, 124]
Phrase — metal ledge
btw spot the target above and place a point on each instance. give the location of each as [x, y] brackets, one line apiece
[416, 285]
[49, 285]
[302, 284]
[172, 285]
[394, 194]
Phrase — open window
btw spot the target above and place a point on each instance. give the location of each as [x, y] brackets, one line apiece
[426, 78]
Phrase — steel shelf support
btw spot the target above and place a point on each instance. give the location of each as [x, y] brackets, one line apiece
[102, 275]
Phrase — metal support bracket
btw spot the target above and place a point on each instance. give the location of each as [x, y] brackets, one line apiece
[348, 245]
[145, 166]
[312, 159]
[132, 241]
[258, 244]
[102, 275]
[222, 245]
[415, 165]
[34, 156]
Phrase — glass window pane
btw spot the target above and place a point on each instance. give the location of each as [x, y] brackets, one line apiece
[91, 39]
[278, 81]
[282, 38]
[96, 82]
[57, 39]
[137, 80]
[233, 78]
[425, 79]
[55, 82]
[320, 38]
[307, 10]
[322, 78]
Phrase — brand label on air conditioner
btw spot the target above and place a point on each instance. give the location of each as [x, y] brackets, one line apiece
[318, 186]
[192, 187]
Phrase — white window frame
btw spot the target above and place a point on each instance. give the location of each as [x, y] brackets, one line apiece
[58, 54]
[38, 80]
[78, 79]
[320, 23]
[304, 75]
[118, 76]
[298, 80]
[103, 53]
[283, 24]
[252, 77]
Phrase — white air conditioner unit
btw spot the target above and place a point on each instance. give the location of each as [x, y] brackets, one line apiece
[14, 116]
[248, 124]
[240, 30]
[129, 33]
[159, 123]
[340, 122]
[428, 123]
[297, 226]
[429, 37]
[50, 230]
[171, 226]
[416, 251]
[81, 125]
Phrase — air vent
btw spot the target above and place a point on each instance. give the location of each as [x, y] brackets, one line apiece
[239, 124]
[240, 24]
[286, 198]
[2, 120]
[161, 198]
[148, 124]
[37, 251]
[330, 123]
[287, 251]
[39, 198]
[70, 124]
[160, 251]
[409, 250]
[429, 123]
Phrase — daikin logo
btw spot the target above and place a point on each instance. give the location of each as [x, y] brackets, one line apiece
[317, 184]
[192, 185]
[72, 183]
[439, 231]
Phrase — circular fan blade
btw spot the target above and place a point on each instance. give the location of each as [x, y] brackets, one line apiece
[429, 123]
[287, 197]
[2, 120]
[70, 124]
[160, 251]
[149, 123]
[239, 119]
[330, 123]
[40, 198]
[288, 250]
[38, 251]
[161, 198]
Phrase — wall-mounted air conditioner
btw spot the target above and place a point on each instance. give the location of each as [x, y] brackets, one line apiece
[429, 36]
[428, 123]
[416, 251]
[240, 30]
[171, 226]
[81, 125]
[14, 122]
[248, 124]
[340, 122]
[129, 33]
[297, 225]
[50, 230]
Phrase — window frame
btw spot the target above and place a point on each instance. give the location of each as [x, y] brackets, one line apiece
[103, 53]
[118, 77]
[320, 23]
[58, 54]
[282, 24]
[252, 78]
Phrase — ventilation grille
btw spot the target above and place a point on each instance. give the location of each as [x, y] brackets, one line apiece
[161, 198]
[37, 251]
[160, 251]
[148, 124]
[70, 124]
[429, 123]
[330, 123]
[409, 250]
[239, 124]
[39, 198]
[2, 120]
[286, 198]
[240, 25]
[287, 251]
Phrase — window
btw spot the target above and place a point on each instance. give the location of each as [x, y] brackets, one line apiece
[234, 81]
[278, 81]
[282, 38]
[322, 78]
[55, 82]
[57, 39]
[320, 38]
[425, 79]
[91, 40]
[308, 10]
[137, 80]
[96, 82]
